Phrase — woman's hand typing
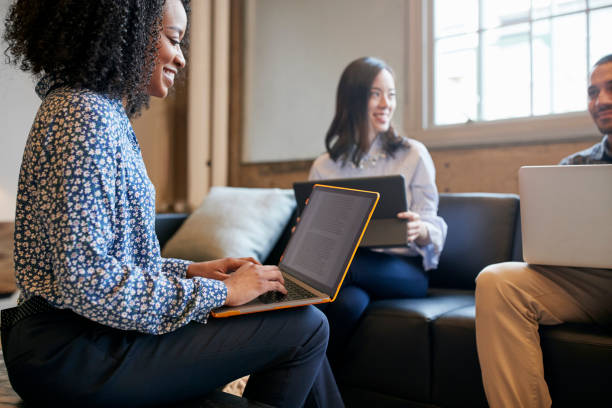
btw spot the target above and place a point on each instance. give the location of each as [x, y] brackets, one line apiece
[245, 278]
[218, 269]
[252, 280]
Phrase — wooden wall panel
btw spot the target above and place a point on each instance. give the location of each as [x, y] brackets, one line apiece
[236, 82]
[492, 169]
[161, 131]
[7, 270]
[153, 130]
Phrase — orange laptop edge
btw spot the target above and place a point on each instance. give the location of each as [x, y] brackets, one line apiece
[318, 256]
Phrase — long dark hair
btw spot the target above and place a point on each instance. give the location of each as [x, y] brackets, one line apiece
[348, 131]
[107, 46]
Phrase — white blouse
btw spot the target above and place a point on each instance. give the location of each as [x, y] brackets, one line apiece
[416, 165]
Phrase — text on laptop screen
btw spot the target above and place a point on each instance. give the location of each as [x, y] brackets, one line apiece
[318, 249]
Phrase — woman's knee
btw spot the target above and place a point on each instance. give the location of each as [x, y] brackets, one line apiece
[313, 321]
[351, 298]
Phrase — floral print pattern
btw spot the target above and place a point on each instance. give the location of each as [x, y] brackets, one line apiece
[85, 221]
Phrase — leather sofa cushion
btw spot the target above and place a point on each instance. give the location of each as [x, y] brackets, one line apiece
[390, 352]
[578, 364]
[358, 397]
[456, 373]
[481, 231]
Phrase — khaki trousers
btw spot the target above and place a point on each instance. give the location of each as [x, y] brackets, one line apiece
[512, 299]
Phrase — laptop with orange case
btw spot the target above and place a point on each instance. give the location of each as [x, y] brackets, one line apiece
[320, 250]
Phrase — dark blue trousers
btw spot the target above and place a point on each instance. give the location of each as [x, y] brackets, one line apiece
[372, 275]
[58, 358]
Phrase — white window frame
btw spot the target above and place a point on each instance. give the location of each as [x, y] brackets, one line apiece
[418, 111]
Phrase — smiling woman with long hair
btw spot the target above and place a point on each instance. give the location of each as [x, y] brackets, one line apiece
[103, 319]
[362, 142]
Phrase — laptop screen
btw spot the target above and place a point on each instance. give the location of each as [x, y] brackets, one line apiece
[326, 237]
[392, 189]
[565, 213]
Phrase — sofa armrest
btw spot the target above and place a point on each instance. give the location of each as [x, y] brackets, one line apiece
[166, 225]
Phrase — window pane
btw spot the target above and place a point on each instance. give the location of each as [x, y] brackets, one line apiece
[542, 67]
[504, 12]
[598, 3]
[506, 73]
[569, 57]
[531, 58]
[455, 17]
[601, 33]
[559, 70]
[547, 8]
[455, 80]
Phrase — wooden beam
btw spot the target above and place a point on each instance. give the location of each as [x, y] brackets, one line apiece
[220, 95]
[198, 116]
[236, 90]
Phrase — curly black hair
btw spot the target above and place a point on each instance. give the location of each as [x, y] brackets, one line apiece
[107, 46]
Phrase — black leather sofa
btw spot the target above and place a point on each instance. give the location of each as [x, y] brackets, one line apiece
[422, 352]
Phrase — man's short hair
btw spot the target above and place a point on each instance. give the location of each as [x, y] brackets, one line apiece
[603, 60]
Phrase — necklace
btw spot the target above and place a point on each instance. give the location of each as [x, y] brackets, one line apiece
[369, 161]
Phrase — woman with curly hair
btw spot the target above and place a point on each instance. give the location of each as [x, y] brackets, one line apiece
[362, 142]
[103, 319]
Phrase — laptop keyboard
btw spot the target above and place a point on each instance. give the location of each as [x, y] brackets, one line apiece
[294, 292]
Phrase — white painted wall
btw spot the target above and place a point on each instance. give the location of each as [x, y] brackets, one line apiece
[295, 53]
[18, 105]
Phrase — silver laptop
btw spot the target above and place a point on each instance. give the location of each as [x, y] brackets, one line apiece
[566, 215]
[385, 229]
[320, 250]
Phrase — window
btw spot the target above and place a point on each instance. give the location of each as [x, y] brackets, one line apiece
[505, 71]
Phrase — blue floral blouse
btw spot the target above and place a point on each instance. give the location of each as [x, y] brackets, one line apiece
[84, 224]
